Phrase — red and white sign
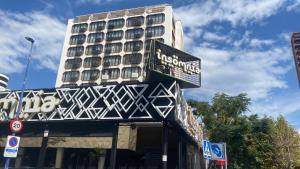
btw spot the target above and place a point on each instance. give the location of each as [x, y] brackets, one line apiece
[16, 126]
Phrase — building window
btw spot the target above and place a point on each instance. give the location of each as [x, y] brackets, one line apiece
[134, 58]
[133, 46]
[148, 42]
[71, 76]
[131, 72]
[73, 63]
[155, 19]
[77, 39]
[114, 60]
[97, 26]
[135, 21]
[75, 51]
[113, 47]
[88, 84]
[115, 35]
[155, 31]
[92, 62]
[79, 28]
[117, 23]
[134, 33]
[110, 74]
[95, 37]
[90, 75]
[69, 85]
[93, 49]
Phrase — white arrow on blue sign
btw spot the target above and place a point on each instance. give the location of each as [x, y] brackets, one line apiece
[206, 149]
[217, 151]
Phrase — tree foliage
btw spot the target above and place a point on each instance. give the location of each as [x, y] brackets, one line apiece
[252, 142]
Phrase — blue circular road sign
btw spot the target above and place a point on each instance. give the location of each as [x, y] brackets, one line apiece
[13, 141]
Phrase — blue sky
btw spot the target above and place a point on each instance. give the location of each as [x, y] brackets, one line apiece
[244, 45]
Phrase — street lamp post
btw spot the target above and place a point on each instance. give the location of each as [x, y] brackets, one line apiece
[22, 90]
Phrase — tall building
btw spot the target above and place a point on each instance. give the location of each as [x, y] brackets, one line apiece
[113, 46]
[126, 124]
[3, 82]
[296, 51]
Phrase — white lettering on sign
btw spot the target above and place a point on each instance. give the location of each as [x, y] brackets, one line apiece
[35, 104]
[174, 61]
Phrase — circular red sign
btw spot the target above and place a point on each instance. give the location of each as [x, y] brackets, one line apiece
[16, 126]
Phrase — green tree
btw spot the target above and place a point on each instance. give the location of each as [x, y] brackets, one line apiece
[286, 142]
[252, 142]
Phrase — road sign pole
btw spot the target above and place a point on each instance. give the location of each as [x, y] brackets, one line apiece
[7, 163]
[225, 156]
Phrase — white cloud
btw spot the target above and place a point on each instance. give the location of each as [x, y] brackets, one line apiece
[259, 42]
[96, 1]
[294, 6]
[47, 31]
[286, 104]
[243, 63]
[236, 12]
[233, 71]
[214, 37]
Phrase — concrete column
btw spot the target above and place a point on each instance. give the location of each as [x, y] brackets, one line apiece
[19, 159]
[101, 159]
[59, 158]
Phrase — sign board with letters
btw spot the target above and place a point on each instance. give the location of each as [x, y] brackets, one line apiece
[169, 62]
[12, 145]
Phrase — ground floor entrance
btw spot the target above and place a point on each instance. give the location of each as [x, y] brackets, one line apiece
[138, 146]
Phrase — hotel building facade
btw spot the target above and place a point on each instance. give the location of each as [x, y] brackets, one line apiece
[114, 46]
[117, 103]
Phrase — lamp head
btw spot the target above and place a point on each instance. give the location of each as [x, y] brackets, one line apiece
[29, 39]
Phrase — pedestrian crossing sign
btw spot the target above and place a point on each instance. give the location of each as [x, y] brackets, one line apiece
[206, 149]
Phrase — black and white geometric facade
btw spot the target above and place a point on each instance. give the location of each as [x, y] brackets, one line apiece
[152, 101]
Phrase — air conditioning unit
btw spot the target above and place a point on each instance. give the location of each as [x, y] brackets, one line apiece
[134, 75]
[105, 77]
